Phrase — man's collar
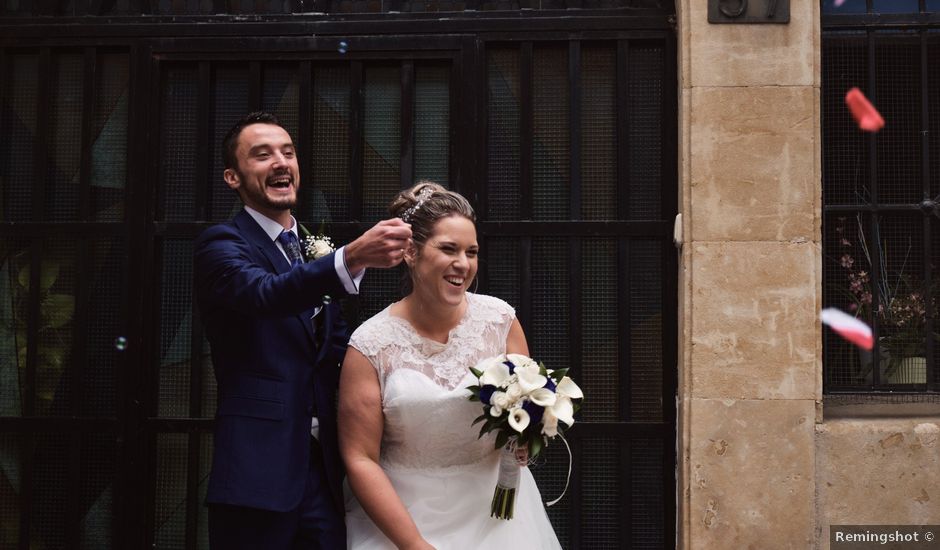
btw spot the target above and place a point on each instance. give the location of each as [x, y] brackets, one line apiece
[271, 227]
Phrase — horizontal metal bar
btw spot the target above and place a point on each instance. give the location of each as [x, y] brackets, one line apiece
[630, 430]
[25, 229]
[179, 425]
[873, 207]
[317, 24]
[649, 228]
[23, 424]
[880, 21]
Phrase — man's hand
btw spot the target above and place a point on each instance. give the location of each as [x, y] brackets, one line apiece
[383, 245]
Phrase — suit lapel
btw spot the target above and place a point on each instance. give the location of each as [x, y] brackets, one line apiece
[256, 235]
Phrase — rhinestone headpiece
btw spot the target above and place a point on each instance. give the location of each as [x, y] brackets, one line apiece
[422, 197]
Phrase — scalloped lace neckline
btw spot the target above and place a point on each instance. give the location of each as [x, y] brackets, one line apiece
[450, 334]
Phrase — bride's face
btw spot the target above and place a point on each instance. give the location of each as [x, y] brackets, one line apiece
[446, 264]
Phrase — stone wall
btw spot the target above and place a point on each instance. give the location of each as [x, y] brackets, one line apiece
[763, 463]
[749, 374]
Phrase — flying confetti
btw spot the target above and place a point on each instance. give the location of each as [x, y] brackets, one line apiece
[864, 112]
[848, 327]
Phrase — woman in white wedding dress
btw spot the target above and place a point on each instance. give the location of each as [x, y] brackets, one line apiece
[420, 477]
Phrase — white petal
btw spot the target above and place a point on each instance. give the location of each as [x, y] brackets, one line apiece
[519, 419]
[568, 388]
[495, 411]
[530, 379]
[543, 397]
[494, 373]
[563, 410]
[521, 361]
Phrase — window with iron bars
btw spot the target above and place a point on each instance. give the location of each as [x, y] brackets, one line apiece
[881, 193]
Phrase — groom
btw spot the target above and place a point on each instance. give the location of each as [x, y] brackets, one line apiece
[277, 342]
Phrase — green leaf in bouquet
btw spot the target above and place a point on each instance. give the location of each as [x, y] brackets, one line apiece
[476, 372]
[535, 446]
[559, 374]
[542, 370]
[478, 419]
[501, 439]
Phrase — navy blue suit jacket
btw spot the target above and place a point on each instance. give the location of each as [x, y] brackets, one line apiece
[257, 313]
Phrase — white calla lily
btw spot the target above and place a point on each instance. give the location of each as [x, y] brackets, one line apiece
[563, 410]
[495, 373]
[519, 419]
[530, 379]
[568, 388]
[542, 397]
[514, 391]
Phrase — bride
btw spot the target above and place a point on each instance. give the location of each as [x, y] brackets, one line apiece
[420, 477]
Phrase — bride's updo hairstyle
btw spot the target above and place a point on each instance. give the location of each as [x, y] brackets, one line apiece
[422, 206]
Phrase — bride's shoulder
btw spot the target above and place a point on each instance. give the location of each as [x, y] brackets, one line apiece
[373, 334]
[492, 307]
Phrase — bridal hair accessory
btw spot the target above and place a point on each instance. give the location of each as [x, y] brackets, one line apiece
[522, 402]
[422, 197]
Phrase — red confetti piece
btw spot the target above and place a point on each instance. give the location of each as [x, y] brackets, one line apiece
[864, 112]
[848, 327]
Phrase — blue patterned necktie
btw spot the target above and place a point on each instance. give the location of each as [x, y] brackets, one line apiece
[291, 247]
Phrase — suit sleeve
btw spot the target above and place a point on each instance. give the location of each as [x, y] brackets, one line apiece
[227, 275]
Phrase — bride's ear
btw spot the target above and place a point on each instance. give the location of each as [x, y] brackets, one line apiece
[410, 253]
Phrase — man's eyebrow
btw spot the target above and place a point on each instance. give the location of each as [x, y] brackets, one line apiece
[269, 146]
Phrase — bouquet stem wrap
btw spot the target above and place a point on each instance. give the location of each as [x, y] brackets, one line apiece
[504, 497]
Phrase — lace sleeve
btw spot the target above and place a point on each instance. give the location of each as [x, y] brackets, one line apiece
[364, 340]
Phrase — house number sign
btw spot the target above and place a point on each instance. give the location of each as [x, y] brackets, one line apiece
[749, 11]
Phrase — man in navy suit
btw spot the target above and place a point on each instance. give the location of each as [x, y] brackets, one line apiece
[277, 343]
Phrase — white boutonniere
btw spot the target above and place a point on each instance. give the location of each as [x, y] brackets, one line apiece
[317, 246]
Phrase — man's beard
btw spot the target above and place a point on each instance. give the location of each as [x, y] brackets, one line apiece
[260, 198]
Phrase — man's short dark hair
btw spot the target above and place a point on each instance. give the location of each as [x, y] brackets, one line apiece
[230, 141]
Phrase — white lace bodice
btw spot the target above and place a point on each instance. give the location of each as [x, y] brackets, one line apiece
[423, 383]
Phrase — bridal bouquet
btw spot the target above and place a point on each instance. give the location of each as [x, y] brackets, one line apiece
[522, 402]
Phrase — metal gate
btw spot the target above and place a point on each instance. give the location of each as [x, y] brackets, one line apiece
[562, 134]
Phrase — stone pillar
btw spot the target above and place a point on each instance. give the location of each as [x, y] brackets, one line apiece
[750, 279]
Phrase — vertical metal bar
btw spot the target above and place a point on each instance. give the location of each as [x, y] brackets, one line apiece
[670, 288]
[930, 342]
[195, 411]
[576, 494]
[145, 253]
[525, 281]
[6, 81]
[88, 128]
[83, 269]
[574, 127]
[480, 75]
[43, 87]
[203, 143]
[255, 79]
[407, 170]
[355, 136]
[220, 6]
[875, 220]
[625, 279]
[526, 131]
[459, 139]
[304, 137]
[623, 134]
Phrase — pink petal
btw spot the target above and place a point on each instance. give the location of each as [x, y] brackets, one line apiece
[848, 327]
[867, 117]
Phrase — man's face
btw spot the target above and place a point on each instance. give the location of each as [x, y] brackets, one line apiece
[267, 176]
